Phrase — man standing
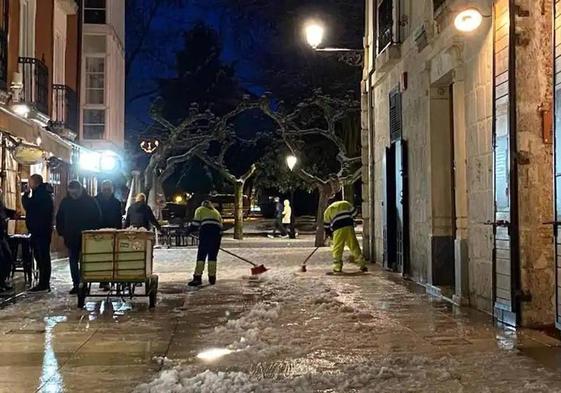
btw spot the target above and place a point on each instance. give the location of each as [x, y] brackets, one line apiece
[338, 221]
[279, 208]
[111, 209]
[37, 201]
[77, 212]
[111, 212]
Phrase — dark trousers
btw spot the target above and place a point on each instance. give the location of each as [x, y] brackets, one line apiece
[41, 246]
[208, 247]
[6, 259]
[279, 227]
[74, 254]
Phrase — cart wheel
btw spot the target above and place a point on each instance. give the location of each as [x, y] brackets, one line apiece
[153, 291]
[82, 293]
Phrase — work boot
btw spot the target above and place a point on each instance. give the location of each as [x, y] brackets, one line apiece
[212, 280]
[73, 291]
[197, 281]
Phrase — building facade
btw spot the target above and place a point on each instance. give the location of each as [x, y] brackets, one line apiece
[458, 151]
[103, 75]
[51, 84]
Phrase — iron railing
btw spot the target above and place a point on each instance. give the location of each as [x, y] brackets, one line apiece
[385, 24]
[35, 78]
[65, 112]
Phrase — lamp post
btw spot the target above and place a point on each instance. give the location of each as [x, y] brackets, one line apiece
[291, 161]
[315, 32]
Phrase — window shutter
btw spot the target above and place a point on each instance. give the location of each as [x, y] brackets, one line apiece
[395, 116]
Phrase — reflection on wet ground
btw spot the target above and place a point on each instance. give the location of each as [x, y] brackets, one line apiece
[48, 345]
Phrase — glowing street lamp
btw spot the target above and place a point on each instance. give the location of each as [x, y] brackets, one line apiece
[468, 20]
[314, 34]
[291, 161]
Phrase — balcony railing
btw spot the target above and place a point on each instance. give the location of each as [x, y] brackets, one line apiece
[65, 111]
[385, 24]
[35, 78]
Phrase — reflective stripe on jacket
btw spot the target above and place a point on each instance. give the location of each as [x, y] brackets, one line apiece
[339, 215]
[206, 217]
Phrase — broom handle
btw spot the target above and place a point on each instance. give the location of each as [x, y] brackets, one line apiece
[310, 256]
[230, 253]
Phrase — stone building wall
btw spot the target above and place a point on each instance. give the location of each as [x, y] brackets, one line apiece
[466, 62]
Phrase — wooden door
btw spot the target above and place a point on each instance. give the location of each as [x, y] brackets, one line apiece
[505, 224]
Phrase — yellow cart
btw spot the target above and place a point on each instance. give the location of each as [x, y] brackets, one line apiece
[119, 257]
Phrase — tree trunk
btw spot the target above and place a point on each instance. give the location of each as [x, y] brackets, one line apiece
[349, 193]
[238, 209]
[324, 194]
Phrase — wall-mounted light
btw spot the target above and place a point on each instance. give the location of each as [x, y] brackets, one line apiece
[21, 109]
[468, 20]
[108, 161]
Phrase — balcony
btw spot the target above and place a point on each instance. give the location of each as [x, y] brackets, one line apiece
[34, 85]
[65, 112]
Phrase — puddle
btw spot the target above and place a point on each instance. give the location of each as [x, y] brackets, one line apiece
[51, 379]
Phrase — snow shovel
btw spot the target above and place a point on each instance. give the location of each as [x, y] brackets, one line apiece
[304, 270]
[255, 270]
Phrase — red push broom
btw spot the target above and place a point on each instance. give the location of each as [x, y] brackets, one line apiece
[255, 270]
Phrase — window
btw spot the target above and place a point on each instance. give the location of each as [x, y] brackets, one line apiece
[387, 26]
[4, 44]
[94, 123]
[95, 80]
[27, 28]
[95, 12]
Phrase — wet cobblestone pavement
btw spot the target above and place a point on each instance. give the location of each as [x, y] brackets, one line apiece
[286, 332]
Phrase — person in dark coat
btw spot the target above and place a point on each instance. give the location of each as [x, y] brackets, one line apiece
[279, 208]
[111, 209]
[140, 215]
[77, 212]
[38, 203]
[6, 258]
[111, 213]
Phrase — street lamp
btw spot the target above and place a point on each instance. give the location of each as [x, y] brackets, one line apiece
[468, 20]
[315, 32]
[291, 161]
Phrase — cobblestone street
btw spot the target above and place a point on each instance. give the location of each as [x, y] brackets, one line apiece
[287, 332]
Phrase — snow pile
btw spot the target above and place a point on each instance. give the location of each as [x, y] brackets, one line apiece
[180, 381]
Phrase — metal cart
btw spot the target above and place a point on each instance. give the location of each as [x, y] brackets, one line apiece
[120, 257]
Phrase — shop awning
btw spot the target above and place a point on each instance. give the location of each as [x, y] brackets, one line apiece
[30, 132]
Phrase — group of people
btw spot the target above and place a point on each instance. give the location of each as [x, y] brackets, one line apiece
[77, 212]
[339, 225]
[283, 220]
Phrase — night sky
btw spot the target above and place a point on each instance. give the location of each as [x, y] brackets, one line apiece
[242, 43]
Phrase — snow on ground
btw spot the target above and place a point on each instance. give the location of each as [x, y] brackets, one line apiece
[313, 334]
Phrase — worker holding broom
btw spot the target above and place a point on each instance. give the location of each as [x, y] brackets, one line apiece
[208, 223]
[339, 223]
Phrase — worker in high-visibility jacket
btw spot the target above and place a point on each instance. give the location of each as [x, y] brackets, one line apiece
[339, 223]
[208, 222]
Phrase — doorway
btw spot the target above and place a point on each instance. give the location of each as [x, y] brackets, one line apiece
[396, 195]
[442, 271]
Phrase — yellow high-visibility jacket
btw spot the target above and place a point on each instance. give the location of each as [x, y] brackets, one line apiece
[339, 215]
